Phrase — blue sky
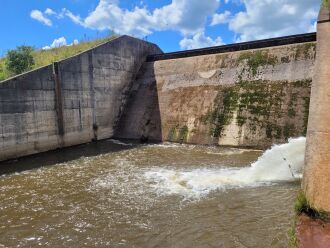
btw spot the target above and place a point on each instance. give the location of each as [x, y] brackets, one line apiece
[172, 24]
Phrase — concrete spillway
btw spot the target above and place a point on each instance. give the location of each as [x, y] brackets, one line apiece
[251, 94]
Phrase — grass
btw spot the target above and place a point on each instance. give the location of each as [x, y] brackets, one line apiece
[292, 237]
[326, 3]
[302, 206]
[46, 57]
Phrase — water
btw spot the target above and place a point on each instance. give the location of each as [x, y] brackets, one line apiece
[120, 194]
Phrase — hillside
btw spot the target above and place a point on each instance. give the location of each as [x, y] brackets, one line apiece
[46, 57]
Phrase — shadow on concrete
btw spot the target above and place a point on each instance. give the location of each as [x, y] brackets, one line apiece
[141, 117]
[63, 155]
[140, 121]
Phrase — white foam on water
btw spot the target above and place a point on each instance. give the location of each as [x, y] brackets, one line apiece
[227, 152]
[118, 142]
[172, 145]
[280, 163]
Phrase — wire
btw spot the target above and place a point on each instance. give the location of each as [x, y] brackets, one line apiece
[289, 165]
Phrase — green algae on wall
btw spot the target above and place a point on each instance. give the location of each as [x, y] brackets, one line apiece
[178, 134]
[225, 104]
[305, 51]
[260, 105]
[250, 98]
[255, 60]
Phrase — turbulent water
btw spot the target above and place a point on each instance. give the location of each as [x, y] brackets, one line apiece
[120, 194]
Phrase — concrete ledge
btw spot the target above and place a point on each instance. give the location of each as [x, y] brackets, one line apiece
[287, 40]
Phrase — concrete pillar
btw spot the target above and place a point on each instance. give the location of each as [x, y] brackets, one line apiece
[316, 182]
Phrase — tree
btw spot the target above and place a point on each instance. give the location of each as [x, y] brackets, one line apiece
[20, 59]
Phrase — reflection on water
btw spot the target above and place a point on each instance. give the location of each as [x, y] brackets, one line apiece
[114, 194]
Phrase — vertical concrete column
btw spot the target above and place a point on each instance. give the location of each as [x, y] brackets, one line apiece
[316, 182]
[58, 99]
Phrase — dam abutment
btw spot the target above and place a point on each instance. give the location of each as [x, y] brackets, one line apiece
[316, 182]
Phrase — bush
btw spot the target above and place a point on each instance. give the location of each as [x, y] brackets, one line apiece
[20, 59]
[301, 205]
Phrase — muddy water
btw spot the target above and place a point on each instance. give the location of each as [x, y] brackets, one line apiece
[110, 194]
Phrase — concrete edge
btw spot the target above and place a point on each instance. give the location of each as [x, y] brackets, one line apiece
[250, 45]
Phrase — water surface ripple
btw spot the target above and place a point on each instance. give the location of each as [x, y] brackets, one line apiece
[114, 194]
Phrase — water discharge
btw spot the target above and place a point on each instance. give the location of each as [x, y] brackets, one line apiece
[120, 194]
[280, 163]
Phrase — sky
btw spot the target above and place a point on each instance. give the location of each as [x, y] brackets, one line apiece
[171, 24]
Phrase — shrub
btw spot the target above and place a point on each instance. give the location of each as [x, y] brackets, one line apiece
[20, 59]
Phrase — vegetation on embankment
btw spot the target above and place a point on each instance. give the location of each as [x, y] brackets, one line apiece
[42, 57]
[302, 206]
[326, 3]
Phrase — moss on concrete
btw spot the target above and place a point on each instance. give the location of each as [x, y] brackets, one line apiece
[257, 59]
[178, 134]
[183, 134]
[258, 104]
[303, 206]
[172, 134]
[305, 51]
[221, 115]
[306, 114]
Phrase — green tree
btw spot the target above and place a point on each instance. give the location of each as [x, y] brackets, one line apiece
[20, 59]
[2, 71]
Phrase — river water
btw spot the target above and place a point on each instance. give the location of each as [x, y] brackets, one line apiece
[116, 194]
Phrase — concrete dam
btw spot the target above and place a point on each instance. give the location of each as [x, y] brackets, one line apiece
[251, 94]
[217, 107]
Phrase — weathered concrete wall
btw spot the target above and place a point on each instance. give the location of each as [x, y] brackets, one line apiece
[252, 98]
[78, 100]
[316, 182]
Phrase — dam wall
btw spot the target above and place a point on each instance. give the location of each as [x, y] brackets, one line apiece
[251, 94]
[71, 102]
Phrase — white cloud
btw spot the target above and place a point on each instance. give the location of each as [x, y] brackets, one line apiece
[220, 18]
[56, 43]
[268, 18]
[199, 40]
[49, 11]
[40, 17]
[185, 16]
[75, 18]
[59, 43]
[260, 19]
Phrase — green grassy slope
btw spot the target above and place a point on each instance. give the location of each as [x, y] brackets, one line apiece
[46, 57]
